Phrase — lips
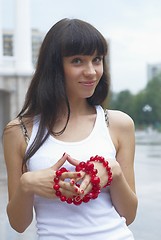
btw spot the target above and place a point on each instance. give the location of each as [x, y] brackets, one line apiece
[88, 83]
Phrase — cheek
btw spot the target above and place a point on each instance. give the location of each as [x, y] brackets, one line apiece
[100, 69]
[72, 78]
[70, 73]
[100, 73]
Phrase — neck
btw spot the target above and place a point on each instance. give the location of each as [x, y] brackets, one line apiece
[80, 108]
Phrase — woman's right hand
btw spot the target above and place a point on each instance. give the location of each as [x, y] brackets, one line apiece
[41, 182]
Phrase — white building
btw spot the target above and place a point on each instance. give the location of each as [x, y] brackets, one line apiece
[8, 43]
[15, 70]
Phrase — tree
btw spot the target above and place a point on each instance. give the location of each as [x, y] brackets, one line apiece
[153, 97]
[123, 101]
[144, 107]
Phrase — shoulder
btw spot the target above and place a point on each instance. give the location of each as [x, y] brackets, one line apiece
[12, 128]
[120, 120]
[13, 135]
[121, 128]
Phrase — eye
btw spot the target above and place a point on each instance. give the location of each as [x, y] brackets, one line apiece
[98, 59]
[76, 61]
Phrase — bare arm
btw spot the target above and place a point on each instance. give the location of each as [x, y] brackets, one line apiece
[20, 206]
[22, 187]
[122, 189]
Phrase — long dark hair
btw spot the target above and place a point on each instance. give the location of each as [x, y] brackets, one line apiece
[46, 95]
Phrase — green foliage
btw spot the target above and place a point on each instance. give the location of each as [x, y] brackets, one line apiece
[123, 101]
[144, 107]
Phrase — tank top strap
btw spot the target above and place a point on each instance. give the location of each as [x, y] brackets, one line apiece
[103, 114]
[24, 130]
[106, 117]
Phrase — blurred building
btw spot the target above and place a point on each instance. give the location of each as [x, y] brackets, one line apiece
[153, 70]
[37, 38]
[12, 83]
[8, 43]
[16, 67]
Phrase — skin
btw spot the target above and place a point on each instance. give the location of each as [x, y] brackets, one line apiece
[82, 76]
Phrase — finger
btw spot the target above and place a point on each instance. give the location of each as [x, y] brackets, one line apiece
[66, 193]
[72, 175]
[88, 189]
[85, 183]
[60, 162]
[78, 178]
[66, 186]
[72, 161]
[72, 182]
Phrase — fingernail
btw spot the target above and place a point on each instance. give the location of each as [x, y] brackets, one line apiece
[63, 154]
[82, 191]
[72, 182]
[79, 175]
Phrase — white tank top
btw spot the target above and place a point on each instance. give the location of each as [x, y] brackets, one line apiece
[95, 220]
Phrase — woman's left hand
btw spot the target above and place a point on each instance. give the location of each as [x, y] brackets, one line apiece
[86, 185]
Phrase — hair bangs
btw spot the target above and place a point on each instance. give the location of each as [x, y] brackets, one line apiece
[82, 39]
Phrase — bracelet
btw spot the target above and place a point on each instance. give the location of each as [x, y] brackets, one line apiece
[87, 167]
[106, 165]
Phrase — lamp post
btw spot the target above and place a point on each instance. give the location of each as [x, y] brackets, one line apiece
[147, 109]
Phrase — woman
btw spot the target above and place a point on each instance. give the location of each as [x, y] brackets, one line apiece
[64, 124]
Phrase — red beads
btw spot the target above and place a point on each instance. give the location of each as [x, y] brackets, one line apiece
[77, 200]
[106, 165]
[88, 168]
[56, 187]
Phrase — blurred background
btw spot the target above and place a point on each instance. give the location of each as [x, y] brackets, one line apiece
[133, 32]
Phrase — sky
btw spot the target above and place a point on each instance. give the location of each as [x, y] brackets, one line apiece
[132, 28]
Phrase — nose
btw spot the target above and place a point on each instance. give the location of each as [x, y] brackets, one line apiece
[89, 69]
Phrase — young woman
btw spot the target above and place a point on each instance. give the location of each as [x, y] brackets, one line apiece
[65, 156]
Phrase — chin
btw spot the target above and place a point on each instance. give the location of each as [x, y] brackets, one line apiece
[87, 95]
